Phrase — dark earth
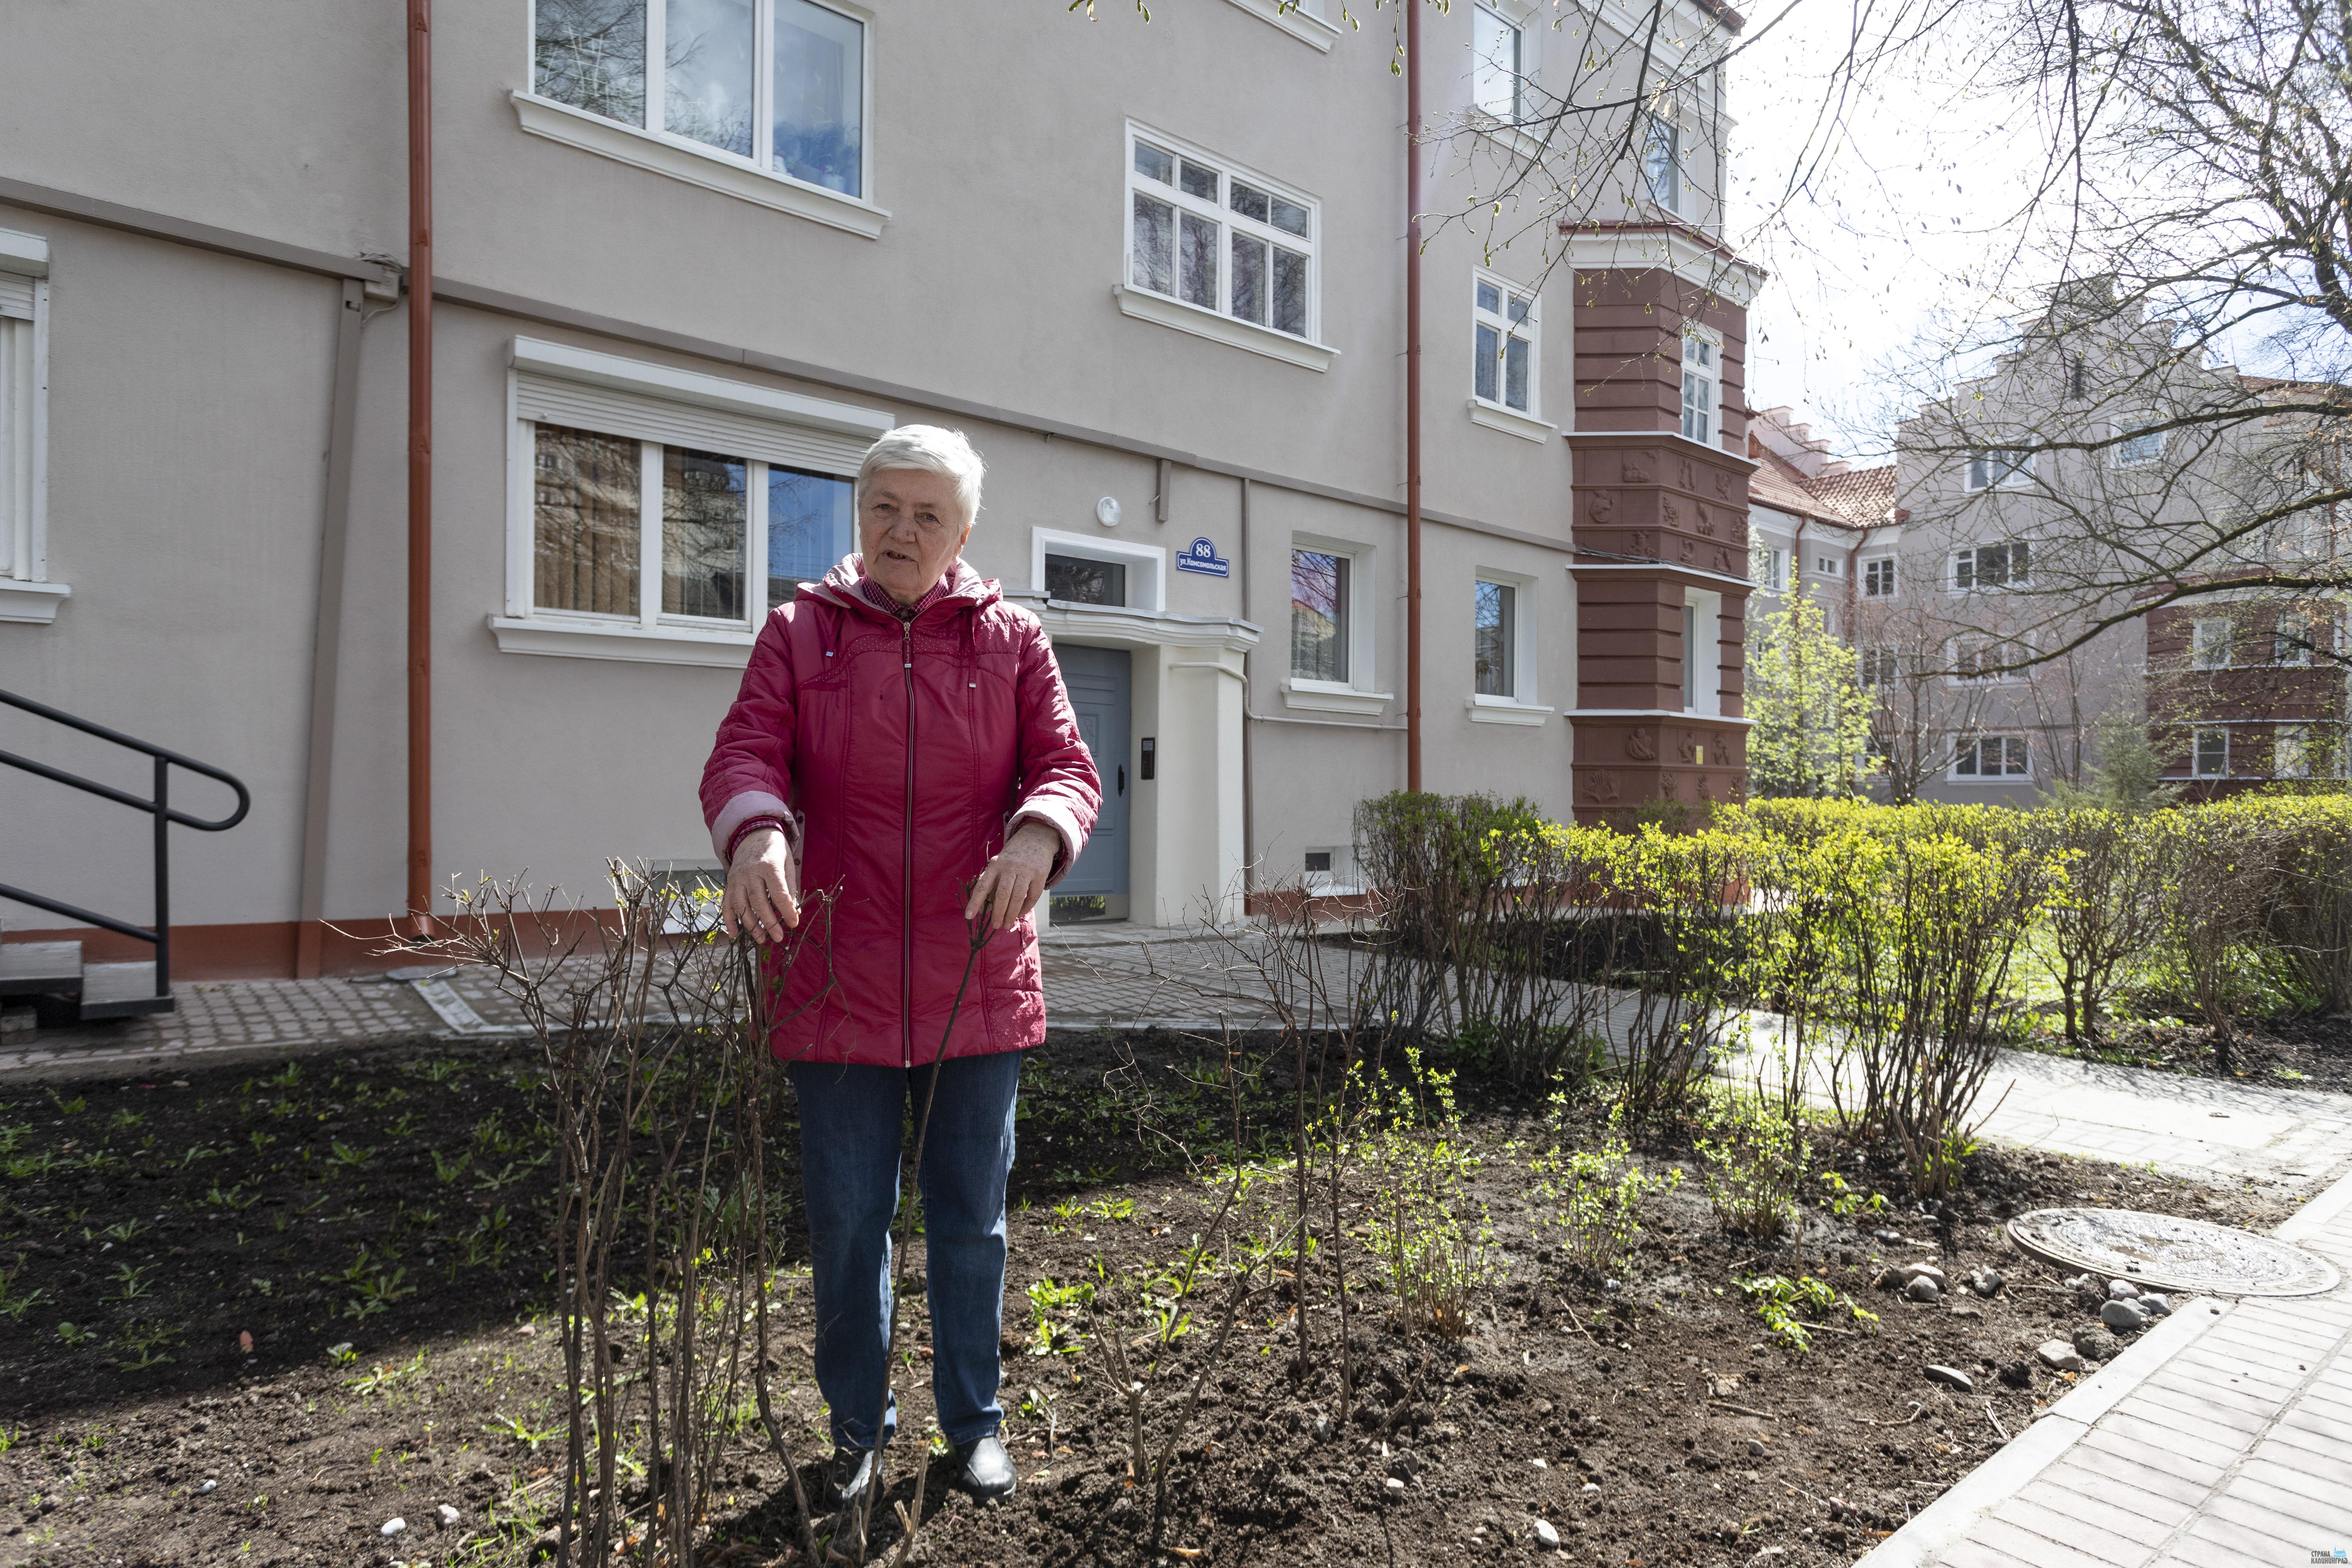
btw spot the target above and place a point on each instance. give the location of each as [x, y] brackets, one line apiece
[2295, 1050]
[392, 1202]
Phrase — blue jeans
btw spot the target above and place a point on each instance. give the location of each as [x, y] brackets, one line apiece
[851, 1122]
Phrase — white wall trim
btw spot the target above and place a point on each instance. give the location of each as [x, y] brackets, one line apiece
[1107, 626]
[1674, 714]
[697, 164]
[1670, 568]
[1222, 329]
[1494, 416]
[31, 604]
[1331, 697]
[1147, 562]
[596, 369]
[27, 255]
[1669, 250]
[1296, 20]
[627, 641]
[1505, 711]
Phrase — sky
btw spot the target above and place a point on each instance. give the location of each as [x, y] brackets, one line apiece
[1889, 243]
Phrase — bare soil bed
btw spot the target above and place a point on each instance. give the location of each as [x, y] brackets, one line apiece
[390, 1202]
[2295, 1051]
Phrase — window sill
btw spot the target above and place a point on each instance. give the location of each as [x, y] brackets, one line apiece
[697, 165]
[31, 604]
[624, 640]
[1519, 143]
[1312, 31]
[1505, 711]
[1202, 324]
[1332, 697]
[1494, 416]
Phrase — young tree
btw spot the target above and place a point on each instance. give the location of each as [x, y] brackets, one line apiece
[1812, 731]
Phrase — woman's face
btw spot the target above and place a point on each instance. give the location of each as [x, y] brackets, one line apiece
[909, 530]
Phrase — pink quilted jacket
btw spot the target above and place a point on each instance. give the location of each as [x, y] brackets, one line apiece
[903, 755]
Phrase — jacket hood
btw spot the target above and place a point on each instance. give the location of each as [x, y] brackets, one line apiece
[844, 585]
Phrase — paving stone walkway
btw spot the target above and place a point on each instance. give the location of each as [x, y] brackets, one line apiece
[2221, 1439]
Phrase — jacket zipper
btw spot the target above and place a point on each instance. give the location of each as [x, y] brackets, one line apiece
[906, 865]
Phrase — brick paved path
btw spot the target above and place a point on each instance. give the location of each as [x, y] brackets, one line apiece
[2222, 1439]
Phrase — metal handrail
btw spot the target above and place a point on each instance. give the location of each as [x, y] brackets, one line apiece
[159, 808]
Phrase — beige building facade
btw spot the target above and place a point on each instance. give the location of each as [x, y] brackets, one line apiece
[1155, 271]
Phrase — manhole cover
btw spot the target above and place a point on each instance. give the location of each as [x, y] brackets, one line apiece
[2168, 1254]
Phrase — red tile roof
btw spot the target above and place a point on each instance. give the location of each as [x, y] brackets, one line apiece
[1855, 498]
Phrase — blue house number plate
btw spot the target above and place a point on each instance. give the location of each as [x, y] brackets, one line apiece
[1201, 556]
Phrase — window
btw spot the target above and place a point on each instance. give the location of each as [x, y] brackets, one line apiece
[1828, 566]
[1701, 366]
[1495, 637]
[2293, 638]
[2209, 643]
[659, 514]
[1085, 582]
[2209, 752]
[26, 596]
[1878, 578]
[2000, 467]
[778, 84]
[1498, 68]
[1690, 658]
[1988, 659]
[1318, 615]
[2291, 752]
[1220, 240]
[1769, 568]
[1877, 667]
[2138, 447]
[2008, 565]
[1504, 323]
[1991, 757]
[1661, 162]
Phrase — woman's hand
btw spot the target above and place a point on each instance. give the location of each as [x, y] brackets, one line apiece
[1010, 886]
[763, 898]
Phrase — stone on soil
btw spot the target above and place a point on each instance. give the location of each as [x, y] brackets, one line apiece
[394, 1526]
[2096, 1343]
[2156, 1304]
[1951, 1377]
[2059, 1355]
[448, 1515]
[1546, 1536]
[1923, 1289]
[2124, 1317]
[2121, 1291]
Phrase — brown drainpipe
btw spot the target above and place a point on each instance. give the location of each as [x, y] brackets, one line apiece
[1412, 396]
[420, 464]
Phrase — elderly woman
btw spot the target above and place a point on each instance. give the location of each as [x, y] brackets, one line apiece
[903, 738]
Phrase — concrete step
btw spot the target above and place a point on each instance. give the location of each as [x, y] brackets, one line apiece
[40, 968]
[120, 991]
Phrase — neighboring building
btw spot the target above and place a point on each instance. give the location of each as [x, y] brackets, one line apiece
[2024, 501]
[1155, 271]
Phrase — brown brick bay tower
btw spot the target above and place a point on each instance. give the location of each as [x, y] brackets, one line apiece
[1660, 524]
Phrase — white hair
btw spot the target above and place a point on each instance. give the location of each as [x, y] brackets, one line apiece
[931, 447]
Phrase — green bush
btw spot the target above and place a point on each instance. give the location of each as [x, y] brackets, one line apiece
[1435, 1241]
[1754, 1157]
[1593, 1196]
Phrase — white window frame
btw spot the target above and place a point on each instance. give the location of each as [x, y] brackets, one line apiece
[2197, 737]
[1302, 20]
[555, 383]
[1147, 566]
[698, 163]
[1710, 371]
[2211, 648]
[1356, 694]
[2013, 475]
[1518, 17]
[1493, 413]
[2126, 441]
[1524, 706]
[1773, 561]
[1668, 120]
[2292, 643]
[1828, 566]
[1219, 325]
[1882, 577]
[2011, 580]
[1974, 742]
[2291, 752]
[27, 595]
[1337, 882]
[1703, 681]
[1986, 643]
[1868, 661]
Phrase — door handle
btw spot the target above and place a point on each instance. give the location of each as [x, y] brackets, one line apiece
[1122, 778]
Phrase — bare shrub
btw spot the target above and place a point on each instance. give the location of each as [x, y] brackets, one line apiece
[2106, 911]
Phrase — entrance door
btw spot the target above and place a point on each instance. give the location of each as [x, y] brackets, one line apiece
[1101, 683]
